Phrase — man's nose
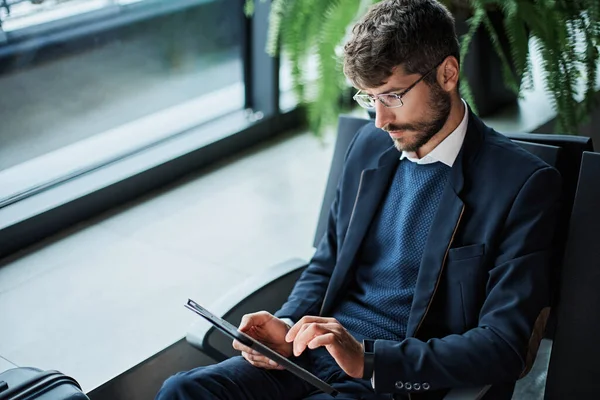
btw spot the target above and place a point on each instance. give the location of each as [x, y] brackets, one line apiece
[383, 115]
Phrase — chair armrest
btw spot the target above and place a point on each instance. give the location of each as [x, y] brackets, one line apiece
[265, 291]
[475, 393]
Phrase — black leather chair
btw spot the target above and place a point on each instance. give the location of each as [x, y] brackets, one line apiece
[574, 369]
[269, 290]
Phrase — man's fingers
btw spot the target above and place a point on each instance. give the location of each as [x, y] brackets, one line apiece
[265, 366]
[261, 361]
[240, 347]
[322, 340]
[255, 357]
[311, 331]
[254, 319]
[295, 330]
[306, 333]
[248, 321]
[303, 329]
[300, 326]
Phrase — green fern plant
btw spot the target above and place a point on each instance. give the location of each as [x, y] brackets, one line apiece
[305, 28]
[566, 33]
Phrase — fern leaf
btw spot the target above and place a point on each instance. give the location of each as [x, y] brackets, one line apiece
[325, 108]
[276, 16]
[249, 8]
[293, 24]
[474, 24]
[509, 79]
[517, 38]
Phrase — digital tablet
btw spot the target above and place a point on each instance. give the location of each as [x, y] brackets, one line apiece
[247, 340]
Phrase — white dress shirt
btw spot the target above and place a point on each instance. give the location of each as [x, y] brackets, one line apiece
[447, 151]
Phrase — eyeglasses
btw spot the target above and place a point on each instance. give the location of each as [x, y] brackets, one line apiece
[389, 100]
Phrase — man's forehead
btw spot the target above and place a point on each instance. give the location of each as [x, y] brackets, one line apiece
[396, 81]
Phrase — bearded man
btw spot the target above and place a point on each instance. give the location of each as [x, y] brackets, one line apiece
[436, 261]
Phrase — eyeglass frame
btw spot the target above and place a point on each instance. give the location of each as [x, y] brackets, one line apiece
[396, 95]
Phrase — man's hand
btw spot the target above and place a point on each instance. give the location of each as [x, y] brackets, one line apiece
[268, 330]
[313, 332]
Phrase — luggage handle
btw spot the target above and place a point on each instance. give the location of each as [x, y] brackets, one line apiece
[4, 393]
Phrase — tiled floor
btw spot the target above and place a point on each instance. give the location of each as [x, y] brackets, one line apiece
[531, 387]
[107, 294]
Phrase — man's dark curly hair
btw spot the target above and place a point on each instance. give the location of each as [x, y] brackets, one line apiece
[417, 34]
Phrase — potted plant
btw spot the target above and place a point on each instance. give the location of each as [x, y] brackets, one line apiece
[486, 82]
[566, 33]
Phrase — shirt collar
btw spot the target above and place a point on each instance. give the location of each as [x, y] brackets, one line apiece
[447, 151]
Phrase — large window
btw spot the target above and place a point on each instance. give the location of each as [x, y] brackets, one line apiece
[86, 82]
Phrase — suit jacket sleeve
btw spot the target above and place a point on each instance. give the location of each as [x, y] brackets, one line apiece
[517, 290]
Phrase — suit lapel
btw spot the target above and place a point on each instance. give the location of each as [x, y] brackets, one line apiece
[374, 184]
[444, 227]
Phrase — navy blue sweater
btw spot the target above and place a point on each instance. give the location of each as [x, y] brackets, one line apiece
[379, 298]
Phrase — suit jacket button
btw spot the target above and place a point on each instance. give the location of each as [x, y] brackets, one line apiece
[399, 385]
[416, 386]
[425, 386]
[407, 386]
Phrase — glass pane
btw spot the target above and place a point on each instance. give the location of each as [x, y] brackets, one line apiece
[85, 81]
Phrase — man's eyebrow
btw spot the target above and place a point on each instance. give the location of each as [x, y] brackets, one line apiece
[392, 90]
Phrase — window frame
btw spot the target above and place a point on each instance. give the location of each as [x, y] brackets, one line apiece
[92, 191]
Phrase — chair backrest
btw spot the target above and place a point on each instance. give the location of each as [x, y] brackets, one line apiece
[348, 126]
[568, 163]
[575, 358]
[549, 153]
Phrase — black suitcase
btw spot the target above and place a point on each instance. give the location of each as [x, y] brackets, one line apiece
[33, 383]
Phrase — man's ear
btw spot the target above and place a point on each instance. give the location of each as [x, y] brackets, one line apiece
[449, 73]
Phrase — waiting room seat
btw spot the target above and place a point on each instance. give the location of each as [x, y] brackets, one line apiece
[269, 291]
[574, 369]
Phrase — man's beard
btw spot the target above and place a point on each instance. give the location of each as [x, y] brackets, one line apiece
[440, 103]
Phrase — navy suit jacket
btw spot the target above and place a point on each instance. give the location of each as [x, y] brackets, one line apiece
[485, 274]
